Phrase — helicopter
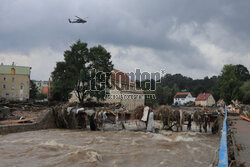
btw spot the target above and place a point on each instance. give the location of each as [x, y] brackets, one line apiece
[78, 20]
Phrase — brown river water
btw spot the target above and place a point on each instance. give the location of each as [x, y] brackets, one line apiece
[49, 148]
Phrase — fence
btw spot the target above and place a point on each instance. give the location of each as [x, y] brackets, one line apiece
[223, 155]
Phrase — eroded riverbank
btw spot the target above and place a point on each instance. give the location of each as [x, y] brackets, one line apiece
[115, 149]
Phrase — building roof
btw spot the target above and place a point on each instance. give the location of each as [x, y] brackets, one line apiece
[45, 89]
[19, 70]
[122, 77]
[202, 96]
[118, 76]
[181, 94]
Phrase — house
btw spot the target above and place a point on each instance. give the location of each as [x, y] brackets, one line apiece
[182, 98]
[14, 82]
[123, 91]
[42, 86]
[205, 99]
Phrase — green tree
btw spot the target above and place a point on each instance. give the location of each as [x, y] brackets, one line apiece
[33, 90]
[150, 100]
[41, 96]
[62, 84]
[174, 90]
[245, 89]
[100, 60]
[165, 95]
[161, 95]
[231, 79]
[84, 71]
[242, 72]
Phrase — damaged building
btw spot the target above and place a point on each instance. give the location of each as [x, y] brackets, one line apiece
[14, 82]
[123, 90]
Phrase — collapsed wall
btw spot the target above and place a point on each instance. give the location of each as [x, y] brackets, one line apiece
[72, 117]
[46, 121]
[64, 118]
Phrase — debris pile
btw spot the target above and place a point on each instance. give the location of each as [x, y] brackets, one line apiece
[4, 113]
[74, 117]
[245, 114]
[233, 109]
[138, 112]
[20, 112]
[64, 118]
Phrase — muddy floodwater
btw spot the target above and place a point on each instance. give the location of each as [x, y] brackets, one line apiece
[51, 148]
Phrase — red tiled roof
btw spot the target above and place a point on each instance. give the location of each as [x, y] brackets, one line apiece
[182, 94]
[122, 77]
[202, 96]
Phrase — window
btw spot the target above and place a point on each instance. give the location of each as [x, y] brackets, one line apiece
[13, 71]
[4, 78]
[7, 94]
[4, 86]
[13, 79]
[21, 86]
[13, 87]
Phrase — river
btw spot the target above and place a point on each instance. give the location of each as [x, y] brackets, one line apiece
[55, 147]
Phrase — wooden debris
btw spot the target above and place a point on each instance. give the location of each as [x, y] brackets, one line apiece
[27, 120]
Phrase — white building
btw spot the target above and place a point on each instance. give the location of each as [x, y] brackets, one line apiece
[182, 98]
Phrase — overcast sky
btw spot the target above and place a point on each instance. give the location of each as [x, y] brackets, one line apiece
[194, 38]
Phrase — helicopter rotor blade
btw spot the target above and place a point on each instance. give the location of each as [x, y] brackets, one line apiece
[78, 17]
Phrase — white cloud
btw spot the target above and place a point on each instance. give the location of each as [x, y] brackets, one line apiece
[212, 41]
[42, 61]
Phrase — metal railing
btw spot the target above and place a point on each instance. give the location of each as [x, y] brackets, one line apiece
[223, 154]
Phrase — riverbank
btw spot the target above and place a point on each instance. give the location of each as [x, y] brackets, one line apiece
[45, 120]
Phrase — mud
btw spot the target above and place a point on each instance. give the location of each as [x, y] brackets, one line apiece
[241, 131]
[57, 147]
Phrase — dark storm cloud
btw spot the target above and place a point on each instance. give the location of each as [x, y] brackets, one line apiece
[141, 23]
[28, 24]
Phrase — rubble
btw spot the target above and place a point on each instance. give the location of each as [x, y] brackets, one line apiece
[14, 113]
[116, 117]
[4, 113]
[111, 116]
[27, 120]
[73, 117]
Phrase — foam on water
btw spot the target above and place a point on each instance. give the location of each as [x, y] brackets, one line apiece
[185, 139]
[101, 149]
[161, 137]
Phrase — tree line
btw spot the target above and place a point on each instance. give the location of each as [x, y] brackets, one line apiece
[233, 83]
